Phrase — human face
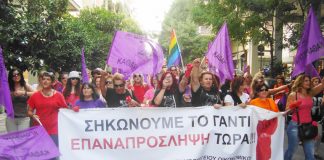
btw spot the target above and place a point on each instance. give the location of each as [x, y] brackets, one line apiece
[174, 71]
[263, 93]
[98, 82]
[315, 82]
[137, 78]
[46, 82]
[168, 78]
[119, 86]
[279, 81]
[306, 83]
[74, 81]
[64, 79]
[87, 91]
[207, 81]
[109, 83]
[16, 76]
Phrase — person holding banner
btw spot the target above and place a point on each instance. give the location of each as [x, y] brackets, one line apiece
[204, 87]
[119, 96]
[20, 92]
[301, 92]
[89, 98]
[139, 88]
[149, 94]
[261, 99]
[237, 97]
[73, 88]
[46, 104]
[168, 94]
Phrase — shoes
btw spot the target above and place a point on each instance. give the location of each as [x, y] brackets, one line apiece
[318, 157]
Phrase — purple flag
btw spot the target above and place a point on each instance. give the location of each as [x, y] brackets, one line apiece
[311, 45]
[32, 143]
[132, 53]
[220, 61]
[84, 73]
[5, 97]
[311, 71]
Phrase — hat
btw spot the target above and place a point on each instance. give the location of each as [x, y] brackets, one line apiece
[74, 74]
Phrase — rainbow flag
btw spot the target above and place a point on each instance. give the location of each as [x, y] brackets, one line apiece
[174, 51]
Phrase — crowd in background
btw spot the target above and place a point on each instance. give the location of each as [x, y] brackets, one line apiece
[193, 87]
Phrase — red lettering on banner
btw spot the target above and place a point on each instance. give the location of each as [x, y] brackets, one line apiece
[83, 143]
[155, 142]
[172, 138]
[193, 138]
[203, 139]
[182, 139]
[106, 143]
[133, 140]
[119, 143]
[162, 141]
[139, 141]
[96, 143]
[75, 144]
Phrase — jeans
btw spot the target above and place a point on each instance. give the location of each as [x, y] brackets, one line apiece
[318, 139]
[55, 140]
[17, 124]
[293, 143]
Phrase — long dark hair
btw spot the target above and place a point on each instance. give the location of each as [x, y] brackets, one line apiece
[94, 95]
[216, 81]
[174, 85]
[22, 81]
[68, 88]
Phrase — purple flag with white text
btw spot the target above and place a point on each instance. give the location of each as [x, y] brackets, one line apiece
[29, 144]
[131, 53]
[219, 55]
[310, 47]
[85, 77]
[5, 97]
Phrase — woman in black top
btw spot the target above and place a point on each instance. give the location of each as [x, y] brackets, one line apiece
[168, 94]
[204, 87]
[20, 91]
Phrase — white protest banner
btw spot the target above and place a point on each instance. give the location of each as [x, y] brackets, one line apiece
[171, 134]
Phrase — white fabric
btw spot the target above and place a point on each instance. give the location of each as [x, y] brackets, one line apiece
[166, 133]
[244, 98]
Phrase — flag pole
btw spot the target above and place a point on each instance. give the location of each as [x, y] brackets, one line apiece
[179, 50]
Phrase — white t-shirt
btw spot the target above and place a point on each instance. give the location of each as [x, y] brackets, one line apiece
[244, 98]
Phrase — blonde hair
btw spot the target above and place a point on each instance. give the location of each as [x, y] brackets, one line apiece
[299, 82]
[118, 76]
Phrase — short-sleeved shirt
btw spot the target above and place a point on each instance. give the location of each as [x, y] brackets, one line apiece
[170, 99]
[267, 103]
[205, 98]
[139, 91]
[98, 103]
[117, 100]
[244, 98]
[47, 109]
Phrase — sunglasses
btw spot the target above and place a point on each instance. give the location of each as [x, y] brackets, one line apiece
[119, 85]
[137, 76]
[263, 89]
[108, 82]
[74, 78]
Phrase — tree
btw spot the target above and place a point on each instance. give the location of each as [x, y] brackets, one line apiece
[252, 19]
[39, 34]
[179, 18]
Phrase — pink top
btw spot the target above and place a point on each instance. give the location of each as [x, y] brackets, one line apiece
[304, 110]
[71, 99]
[149, 95]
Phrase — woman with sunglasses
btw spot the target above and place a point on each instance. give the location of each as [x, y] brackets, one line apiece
[46, 104]
[20, 91]
[258, 79]
[204, 87]
[119, 96]
[139, 88]
[73, 88]
[303, 92]
[89, 97]
[265, 128]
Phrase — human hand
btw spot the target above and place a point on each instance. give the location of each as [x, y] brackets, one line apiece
[76, 108]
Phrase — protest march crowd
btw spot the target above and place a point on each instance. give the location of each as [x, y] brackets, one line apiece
[193, 85]
[170, 88]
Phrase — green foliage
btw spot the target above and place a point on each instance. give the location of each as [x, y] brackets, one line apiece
[179, 18]
[39, 34]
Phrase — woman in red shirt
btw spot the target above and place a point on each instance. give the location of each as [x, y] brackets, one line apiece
[46, 103]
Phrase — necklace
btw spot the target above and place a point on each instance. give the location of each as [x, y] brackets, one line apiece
[48, 94]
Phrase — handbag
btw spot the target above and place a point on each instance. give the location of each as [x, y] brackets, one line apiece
[306, 131]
